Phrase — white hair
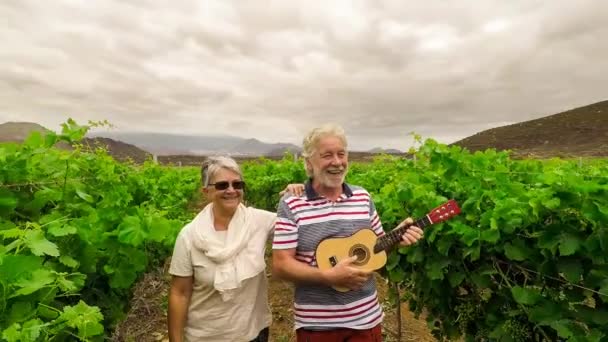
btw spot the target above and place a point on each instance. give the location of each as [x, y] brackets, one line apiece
[311, 140]
[213, 164]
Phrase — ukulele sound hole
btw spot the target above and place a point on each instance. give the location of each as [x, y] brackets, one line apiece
[362, 254]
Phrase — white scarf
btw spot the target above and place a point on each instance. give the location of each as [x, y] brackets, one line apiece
[234, 261]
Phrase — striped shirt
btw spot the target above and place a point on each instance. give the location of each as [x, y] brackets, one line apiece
[302, 222]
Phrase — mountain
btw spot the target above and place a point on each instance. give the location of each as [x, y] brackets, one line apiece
[19, 131]
[257, 148]
[164, 143]
[119, 150]
[384, 150]
[580, 131]
[175, 144]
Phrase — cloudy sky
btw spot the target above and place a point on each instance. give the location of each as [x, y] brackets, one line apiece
[273, 69]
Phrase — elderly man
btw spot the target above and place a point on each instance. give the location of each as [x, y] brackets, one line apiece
[329, 208]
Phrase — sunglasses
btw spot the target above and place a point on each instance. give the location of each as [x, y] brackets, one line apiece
[223, 185]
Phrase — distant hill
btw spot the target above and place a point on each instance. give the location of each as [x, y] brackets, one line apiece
[176, 144]
[255, 147]
[19, 131]
[384, 150]
[581, 131]
[118, 149]
[172, 144]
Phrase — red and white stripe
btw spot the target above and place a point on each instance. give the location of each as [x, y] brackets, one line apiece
[355, 315]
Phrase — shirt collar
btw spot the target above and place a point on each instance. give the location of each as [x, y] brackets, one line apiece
[311, 194]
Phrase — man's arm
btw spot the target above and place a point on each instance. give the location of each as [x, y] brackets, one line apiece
[286, 266]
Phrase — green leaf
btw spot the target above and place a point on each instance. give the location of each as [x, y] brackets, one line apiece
[552, 203]
[48, 313]
[15, 267]
[397, 275]
[413, 255]
[13, 233]
[517, 251]
[468, 234]
[472, 252]
[571, 269]
[490, 235]
[68, 261]
[21, 311]
[595, 336]
[493, 223]
[39, 279]
[130, 231]
[596, 315]
[123, 279]
[50, 139]
[31, 330]
[6, 225]
[8, 201]
[563, 328]
[456, 278]
[86, 197]
[12, 333]
[72, 282]
[83, 317]
[443, 245]
[42, 198]
[39, 245]
[601, 236]
[569, 244]
[525, 296]
[159, 229]
[549, 240]
[604, 291]
[545, 313]
[34, 140]
[59, 229]
[435, 269]
[393, 261]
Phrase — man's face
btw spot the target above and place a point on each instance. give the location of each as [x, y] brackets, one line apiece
[329, 162]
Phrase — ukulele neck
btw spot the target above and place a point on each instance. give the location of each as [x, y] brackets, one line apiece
[393, 237]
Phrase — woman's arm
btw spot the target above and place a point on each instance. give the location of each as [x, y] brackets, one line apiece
[179, 299]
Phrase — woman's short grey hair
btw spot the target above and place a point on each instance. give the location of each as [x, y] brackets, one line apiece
[311, 140]
[213, 164]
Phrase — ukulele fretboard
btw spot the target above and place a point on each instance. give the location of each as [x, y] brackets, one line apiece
[394, 237]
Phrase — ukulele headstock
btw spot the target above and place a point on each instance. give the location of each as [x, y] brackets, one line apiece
[445, 211]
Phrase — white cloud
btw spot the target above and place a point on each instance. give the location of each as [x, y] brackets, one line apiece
[275, 69]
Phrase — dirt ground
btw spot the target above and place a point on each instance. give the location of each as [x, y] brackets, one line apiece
[146, 321]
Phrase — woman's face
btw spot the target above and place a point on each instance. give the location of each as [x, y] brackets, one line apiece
[221, 190]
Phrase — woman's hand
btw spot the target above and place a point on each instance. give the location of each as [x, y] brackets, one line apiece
[293, 189]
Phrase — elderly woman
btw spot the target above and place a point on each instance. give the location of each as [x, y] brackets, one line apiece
[219, 287]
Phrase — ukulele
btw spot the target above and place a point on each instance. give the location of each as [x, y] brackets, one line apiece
[370, 249]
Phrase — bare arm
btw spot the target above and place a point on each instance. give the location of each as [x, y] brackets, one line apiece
[179, 299]
[286, 266]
